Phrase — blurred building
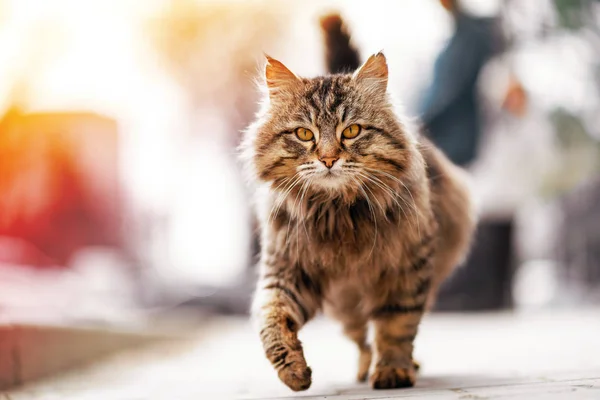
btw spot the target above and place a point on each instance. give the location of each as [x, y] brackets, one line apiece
[578, 244]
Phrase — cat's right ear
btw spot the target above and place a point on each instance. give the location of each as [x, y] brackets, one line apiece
[278, 77]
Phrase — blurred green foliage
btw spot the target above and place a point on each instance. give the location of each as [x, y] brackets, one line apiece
[574, 14]
[569, 13]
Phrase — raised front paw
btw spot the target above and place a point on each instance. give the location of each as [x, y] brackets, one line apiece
[295, 373]
[388, 377]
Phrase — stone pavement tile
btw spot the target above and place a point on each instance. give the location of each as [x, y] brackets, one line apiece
[577, 389]
[463, 388]
[488, 356]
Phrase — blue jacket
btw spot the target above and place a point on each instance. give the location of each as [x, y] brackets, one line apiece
[450, 107]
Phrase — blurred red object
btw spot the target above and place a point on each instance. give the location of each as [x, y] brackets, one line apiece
[448, 4]
[59, 187]
[515, 100]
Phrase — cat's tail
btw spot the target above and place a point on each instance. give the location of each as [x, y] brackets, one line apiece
[340, 55]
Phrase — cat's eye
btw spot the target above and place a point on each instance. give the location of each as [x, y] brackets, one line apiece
[352, 131]
[304, 134]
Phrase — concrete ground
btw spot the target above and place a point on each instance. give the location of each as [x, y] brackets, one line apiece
[550, 355]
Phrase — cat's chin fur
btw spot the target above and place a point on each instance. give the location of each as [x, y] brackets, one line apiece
[331, 183]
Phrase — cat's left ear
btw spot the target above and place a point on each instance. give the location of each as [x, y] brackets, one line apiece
[279, 78]
[373, 73]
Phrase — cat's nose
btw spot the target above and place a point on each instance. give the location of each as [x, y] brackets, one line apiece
[329, 161]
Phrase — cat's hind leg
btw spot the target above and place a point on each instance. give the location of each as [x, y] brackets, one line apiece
[357, 332]
[347, 310]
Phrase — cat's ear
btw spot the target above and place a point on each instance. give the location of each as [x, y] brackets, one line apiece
[373, 73]
[278, 77]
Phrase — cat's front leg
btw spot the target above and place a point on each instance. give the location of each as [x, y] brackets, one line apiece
[397, 319]
[395, 332]
[285, 300]
[396, 324]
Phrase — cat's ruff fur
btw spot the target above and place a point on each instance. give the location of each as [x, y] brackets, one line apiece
[368, 241]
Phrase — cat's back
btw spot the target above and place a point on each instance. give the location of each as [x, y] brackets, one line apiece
[453, 207]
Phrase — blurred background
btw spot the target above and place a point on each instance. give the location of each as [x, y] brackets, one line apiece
[121, 196]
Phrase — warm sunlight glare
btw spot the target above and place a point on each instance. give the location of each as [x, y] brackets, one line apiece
[71, 53]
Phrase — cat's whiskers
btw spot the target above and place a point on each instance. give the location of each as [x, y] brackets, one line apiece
[277, 199]
[301, 202]
[371, 210]
[413, 205]
[306, 165]
[364, 185]
[298, 220]
[282, 197]
[394, 195]
[399, 181]
[307, 174]
[299, 211]
[287, 231]
[293, 208]
[294, 213]
[383, 186]
[306, 169]
[294, 184]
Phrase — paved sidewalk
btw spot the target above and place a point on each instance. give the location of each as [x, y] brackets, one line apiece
[505, 356]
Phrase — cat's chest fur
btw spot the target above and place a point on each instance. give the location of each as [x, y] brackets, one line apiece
[345, 241]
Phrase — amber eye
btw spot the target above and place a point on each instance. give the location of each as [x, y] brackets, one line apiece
[304, 134]
[352, 131]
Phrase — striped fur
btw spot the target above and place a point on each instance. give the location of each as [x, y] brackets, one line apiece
[368, 243]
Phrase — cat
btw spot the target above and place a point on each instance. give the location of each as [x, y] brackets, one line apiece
[361, 217]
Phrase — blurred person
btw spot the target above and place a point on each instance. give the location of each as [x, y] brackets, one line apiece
[454, 119]
[450, 109]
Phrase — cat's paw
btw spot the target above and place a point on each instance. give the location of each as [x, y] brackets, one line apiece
[296, 374]
[387, 377]
[364, 364]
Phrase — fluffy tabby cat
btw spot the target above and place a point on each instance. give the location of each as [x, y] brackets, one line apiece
[361, 217]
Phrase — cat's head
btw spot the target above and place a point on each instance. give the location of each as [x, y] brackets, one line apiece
[336, 133]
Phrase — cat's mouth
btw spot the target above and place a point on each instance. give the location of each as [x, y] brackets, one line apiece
[331, 179]
[332, 174]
